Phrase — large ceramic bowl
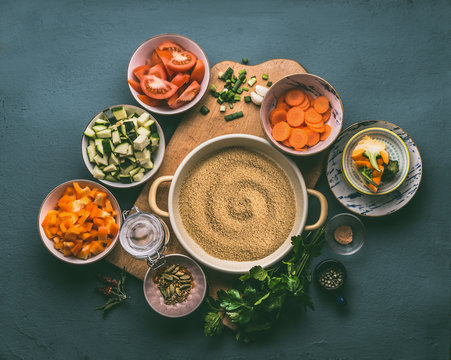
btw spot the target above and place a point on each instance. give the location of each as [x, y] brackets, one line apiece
[255, 144]
[157, 156]
[397, 150]
[144, 53]
[50, 203]
[310, 84]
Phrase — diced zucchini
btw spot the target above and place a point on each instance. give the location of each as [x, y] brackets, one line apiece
[116, 137]
[98, 128]
[99, 146]
[134, 171]
[101, 160]
[104, 134]
[110, 177]
[97, 173]
[143, 131]
[91, 151]
[149, 123]
[129, 150]
[141, 142]
[121, 149]
[138, 176]
[127, 169]
[142, 156]
[132, 135]
[113, 160]
[129, 125]
[147, 165]
[119, 113]
[134, 115]
[90, 133]
[123, 178]
[132, 159]
[107, 146]
[110, 168]
[123, 130]
[101, 121]
[144, 117]
[110, 116]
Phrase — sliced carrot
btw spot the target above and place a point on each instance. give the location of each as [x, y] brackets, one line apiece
[310, 97]
[366, 163]
[295, 116]
[284, 106]
[313, 138]
[321, 104]
[298, 138]
[281, 131]
[315, 125]
[384, 156]
[294, 97]
[312, 116]
[277, 115]
[377, 180]
[286, 143]
[326, 133]
[372, 188]
[149, 101]
[326, 115]
[305, 104]
[305, 148]
[281, 100]
[320, 129]
[135, 85]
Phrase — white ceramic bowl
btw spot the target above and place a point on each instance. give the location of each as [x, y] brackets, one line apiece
[144, 52]
[50, 202]
[157, 156]
[310, 84]
[397, 150]
[204, 150]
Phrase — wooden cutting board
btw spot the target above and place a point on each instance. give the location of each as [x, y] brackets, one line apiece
[196, 128]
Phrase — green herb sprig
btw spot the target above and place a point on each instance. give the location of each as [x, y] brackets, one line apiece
[256, 302]
[115, 292]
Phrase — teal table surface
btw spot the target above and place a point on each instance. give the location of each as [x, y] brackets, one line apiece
[61, 62]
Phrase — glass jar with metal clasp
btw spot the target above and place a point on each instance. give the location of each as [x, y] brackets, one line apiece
[144, 236]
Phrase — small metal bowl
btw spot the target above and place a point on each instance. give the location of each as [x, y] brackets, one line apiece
[195, 298]
[358, 234]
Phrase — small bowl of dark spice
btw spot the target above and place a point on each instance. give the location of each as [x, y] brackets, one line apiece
[330, 275]
[177, 288]
[345, 234]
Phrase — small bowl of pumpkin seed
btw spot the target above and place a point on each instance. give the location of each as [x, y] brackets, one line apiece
[176, 288]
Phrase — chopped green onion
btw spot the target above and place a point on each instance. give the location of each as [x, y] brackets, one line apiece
[220, 101]
[228, 74]
[231, 105]
[237, 97]
[242, 71]
[252, 81]
[245, 88]
[237, 85]
[239, 91]
[204, 110]
[228, 81]
[244, 60]
[222, 108]
[234, 116]
[220, 75]
[265, 76]
[213, 88]
[269, 83]
[247, 99]
[216, 94]
[234, 78]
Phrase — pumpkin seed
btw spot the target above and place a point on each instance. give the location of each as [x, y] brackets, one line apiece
[180, 273]
[171, 289]
[165, 295]
[170, 269]
[167, 277]
[185, 281]
[185, 277]
[175, 269]
[185, 286]
[178, 292]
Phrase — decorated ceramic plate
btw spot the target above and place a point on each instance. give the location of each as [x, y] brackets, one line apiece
[373, 206]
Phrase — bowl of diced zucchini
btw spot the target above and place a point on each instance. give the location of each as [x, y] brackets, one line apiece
[123, 146]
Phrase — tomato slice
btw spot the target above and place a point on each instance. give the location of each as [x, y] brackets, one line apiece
[140, 71]
[182, 62]
[157, 88]
[165, 57]
[149, 101]
[189, 94]
[135, 85]
[171, 46]
[154, 60]
[180, 79]
[158, 71]
[198, 71]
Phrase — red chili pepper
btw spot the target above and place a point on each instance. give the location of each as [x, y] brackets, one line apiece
[106, 291]
[108, 280]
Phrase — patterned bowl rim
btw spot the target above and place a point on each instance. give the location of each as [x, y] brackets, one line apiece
[359, 134]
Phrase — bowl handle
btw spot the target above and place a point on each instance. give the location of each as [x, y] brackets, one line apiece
[323, 215]
[153, 195]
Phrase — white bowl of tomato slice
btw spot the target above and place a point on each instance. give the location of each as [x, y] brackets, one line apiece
[168, 74]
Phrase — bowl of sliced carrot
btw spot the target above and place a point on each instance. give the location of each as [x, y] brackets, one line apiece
[301, 114]
[168, 74]
[79, 221]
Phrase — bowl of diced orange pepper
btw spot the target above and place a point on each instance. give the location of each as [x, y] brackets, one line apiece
[79, 221]
[301, 114]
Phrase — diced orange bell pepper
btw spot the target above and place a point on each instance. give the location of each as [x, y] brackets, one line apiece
[108, 206]
[80, 192]
[96, 248]
[100, 198]
[102, 233]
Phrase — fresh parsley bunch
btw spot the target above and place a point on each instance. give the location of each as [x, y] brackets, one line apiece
[256, 302]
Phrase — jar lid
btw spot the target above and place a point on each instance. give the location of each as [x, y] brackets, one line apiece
[142, 235]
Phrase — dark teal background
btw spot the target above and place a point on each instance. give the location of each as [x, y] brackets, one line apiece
[61, 62]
